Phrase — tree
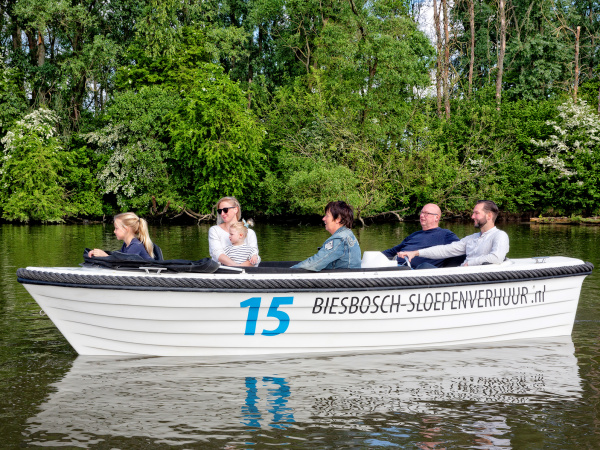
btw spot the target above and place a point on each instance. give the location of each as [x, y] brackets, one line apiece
[501, 51]
[216, 140]
[446, 65]
[34, 172]
[373, 61]
[572, 157]
[326, 161]
[13, 103]
[134, 146]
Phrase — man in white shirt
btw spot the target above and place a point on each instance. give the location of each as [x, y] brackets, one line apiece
[489, 246]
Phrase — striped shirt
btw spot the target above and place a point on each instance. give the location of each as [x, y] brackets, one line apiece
[239, 253]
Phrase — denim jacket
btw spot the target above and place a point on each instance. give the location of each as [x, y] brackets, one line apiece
[340, 251]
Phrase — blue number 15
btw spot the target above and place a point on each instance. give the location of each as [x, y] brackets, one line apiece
[253, 305]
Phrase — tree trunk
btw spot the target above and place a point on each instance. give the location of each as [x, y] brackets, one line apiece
[250, 73]
[32, 47]
[96, 101]
[17, 42]
[41, 50]
[446, 74]
[37, 55]
[472, 59]
[576, 64]
[501, 52]
[438, 72]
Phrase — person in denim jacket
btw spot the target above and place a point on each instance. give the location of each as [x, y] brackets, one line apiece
[341, 250]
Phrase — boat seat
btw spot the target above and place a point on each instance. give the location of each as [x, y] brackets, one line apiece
[454, 261]
[158, 255]
[372, 259]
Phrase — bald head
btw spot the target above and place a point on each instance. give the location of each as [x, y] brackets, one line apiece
[430, 216]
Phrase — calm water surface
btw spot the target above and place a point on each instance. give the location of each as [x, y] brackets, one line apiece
[522, 395]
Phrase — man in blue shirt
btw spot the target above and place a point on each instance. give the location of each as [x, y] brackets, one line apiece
[489, 246]
[430, 235]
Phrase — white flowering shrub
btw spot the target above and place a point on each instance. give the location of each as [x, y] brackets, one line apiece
[134, 145]
[135, 169]
[31, 171]
[571, 156]
[576, 132]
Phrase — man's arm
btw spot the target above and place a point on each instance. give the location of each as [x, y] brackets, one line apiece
[456, 248]
[391, 252]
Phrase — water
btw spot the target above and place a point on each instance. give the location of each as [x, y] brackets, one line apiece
[526, 394]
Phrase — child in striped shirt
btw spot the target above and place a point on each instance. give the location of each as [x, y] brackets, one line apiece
[239, 251]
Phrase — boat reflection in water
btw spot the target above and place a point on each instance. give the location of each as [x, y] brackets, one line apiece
[192, 400]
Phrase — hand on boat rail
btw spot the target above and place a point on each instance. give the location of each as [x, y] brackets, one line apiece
[405, 263]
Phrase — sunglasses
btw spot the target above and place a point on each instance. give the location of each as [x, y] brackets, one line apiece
[225, 210]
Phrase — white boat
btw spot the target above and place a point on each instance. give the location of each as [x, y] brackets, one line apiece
[272, 310]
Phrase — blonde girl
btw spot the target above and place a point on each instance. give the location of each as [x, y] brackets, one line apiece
[133, 231]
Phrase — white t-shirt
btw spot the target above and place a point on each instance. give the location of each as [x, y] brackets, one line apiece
[218, 239]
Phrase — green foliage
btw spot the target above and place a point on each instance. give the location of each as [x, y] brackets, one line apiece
[82, 185]
[289, 104]
[326, 161]
[162, 24]
[33, 167]
[135, 141]
[147, 70]
[315, 185]
[373, 60]
[339, 131]
[473, 156]
[540, 46]
[590, 91]
[12, 98]
[216, 140]
[571, 158]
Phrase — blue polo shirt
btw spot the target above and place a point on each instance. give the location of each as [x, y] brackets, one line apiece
[423, 239]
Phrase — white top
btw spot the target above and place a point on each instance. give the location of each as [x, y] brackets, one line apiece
[218, 239]
[489, 247]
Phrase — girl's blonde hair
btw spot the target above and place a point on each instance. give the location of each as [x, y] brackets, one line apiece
[139, 227]
[239, 227]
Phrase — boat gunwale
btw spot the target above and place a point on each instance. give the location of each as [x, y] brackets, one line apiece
[276, 285]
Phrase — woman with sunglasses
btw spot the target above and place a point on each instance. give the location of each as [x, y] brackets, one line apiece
[229, 212]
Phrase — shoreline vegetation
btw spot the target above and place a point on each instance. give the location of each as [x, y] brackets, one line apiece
[315, 219]
[573, 220]
[163, 107]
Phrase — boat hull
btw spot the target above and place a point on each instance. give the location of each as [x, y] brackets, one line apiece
[176, 321]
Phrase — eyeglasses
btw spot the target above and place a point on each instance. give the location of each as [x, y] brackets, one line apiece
[225, 210]
[424, 213]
